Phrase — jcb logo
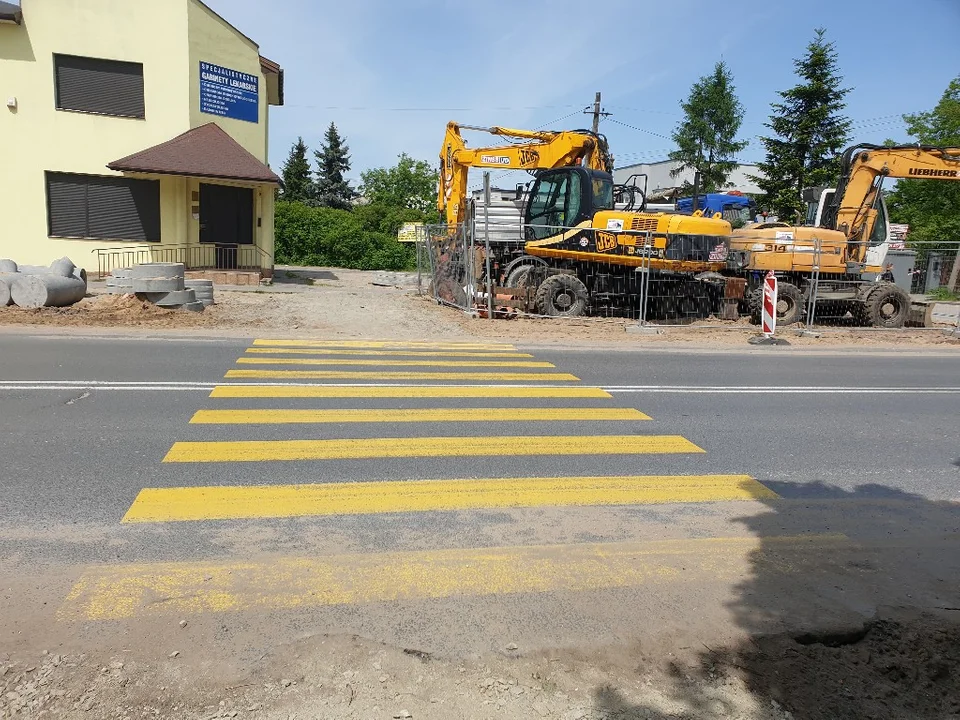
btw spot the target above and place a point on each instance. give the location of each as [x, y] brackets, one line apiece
[529, 157]
[606, 241]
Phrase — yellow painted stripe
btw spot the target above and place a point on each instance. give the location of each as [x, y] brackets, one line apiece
[362, 448]
[399, 415]
[395, 363]
[403, 391]
[393, 353]
[380, 345]
[280, 501]
[115, 592]
[397, 375]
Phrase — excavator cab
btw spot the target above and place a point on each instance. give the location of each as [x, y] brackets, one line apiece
[565, 197]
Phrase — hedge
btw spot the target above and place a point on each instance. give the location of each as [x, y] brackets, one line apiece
[364, 238]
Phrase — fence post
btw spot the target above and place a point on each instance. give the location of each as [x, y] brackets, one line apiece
[417, 250]
[486, 243]
[641, 328]
[469, 233]
[814, 288]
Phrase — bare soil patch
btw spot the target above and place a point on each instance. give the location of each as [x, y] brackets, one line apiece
[336, 303]
[895, 668]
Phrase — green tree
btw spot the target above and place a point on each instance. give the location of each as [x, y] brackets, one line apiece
[809, 131]
[930, 207]
[297, 185]
[706, 137]
[331, 188]
[408, 184]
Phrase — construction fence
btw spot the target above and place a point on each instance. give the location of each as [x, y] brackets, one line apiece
[657, 280]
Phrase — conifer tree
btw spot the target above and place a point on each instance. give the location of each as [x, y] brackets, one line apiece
[809, 131]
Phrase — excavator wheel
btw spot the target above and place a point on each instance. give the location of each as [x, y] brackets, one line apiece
[789, 304]
[562, 296]
[887, 307]
[518, 276]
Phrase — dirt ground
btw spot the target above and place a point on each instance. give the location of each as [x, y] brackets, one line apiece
[897, 666]
[332, 303]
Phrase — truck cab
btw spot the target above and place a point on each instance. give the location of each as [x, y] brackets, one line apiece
[738, 210]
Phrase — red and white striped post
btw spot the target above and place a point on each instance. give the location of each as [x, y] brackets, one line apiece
[769, 315]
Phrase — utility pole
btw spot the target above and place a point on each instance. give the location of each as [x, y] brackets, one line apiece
[597, 113]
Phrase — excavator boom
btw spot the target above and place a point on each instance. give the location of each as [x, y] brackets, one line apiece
[541, 150]
[853, 210]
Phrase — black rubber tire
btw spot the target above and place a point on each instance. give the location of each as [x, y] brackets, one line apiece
[789, 304]
[562, 296]
[755, 305]
[518, 276]
[887, 307]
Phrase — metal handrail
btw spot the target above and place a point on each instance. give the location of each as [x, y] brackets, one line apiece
[227, 256]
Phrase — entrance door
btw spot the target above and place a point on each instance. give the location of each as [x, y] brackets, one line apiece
[226, 221]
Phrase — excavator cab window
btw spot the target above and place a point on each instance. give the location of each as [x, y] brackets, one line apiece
[602, 192]
[554, 203]
[879, 233]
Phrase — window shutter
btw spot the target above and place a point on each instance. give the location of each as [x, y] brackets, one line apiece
[67, 204]
[107, 87]
[106, 208]
[124, 209]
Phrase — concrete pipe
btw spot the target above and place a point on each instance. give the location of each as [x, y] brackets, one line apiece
[4, 292]
[7, 266]
[33, 270]
[158, 270]
[35, 291]
[64, 267]
[168, 299]
[156, 284]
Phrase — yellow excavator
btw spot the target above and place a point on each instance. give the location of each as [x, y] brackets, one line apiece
[846, 235]
[579, 250]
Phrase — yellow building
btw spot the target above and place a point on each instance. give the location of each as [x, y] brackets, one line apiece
[133, 132]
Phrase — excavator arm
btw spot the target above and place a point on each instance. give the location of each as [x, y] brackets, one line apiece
[863, 169]
[538, 150]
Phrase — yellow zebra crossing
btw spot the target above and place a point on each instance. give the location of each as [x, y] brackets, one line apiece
[120, 591]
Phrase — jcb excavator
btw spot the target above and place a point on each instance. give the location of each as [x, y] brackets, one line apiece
[850, 223]
[579, 250]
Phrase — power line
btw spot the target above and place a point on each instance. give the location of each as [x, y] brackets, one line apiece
[633, 127]
[349, 108]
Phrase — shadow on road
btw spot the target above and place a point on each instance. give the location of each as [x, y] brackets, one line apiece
[859, 619]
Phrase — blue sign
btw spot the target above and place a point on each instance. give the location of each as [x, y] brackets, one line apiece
[229, 93]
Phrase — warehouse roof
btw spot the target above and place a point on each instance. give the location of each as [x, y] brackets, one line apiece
[206, 151]
[10, 13]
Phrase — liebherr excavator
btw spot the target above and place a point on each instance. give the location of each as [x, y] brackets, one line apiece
[579, 248]
[850, 223]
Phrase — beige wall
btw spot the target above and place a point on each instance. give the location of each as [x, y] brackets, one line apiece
[212, 40]
[169, 37]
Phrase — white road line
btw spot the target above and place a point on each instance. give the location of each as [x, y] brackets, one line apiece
[614, 389]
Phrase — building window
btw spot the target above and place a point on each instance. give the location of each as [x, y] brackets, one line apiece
[104, 87]
[103, 208]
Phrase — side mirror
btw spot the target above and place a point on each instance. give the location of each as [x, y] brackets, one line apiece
[520, 187]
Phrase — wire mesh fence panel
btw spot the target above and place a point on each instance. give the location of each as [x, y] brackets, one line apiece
[449, 253]
[650, 277]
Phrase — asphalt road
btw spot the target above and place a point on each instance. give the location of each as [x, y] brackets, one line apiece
[811, 486]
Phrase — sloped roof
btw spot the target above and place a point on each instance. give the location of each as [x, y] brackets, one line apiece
[206, 151]
[9, 12]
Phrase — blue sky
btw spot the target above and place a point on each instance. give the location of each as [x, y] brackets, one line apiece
[391, 73]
